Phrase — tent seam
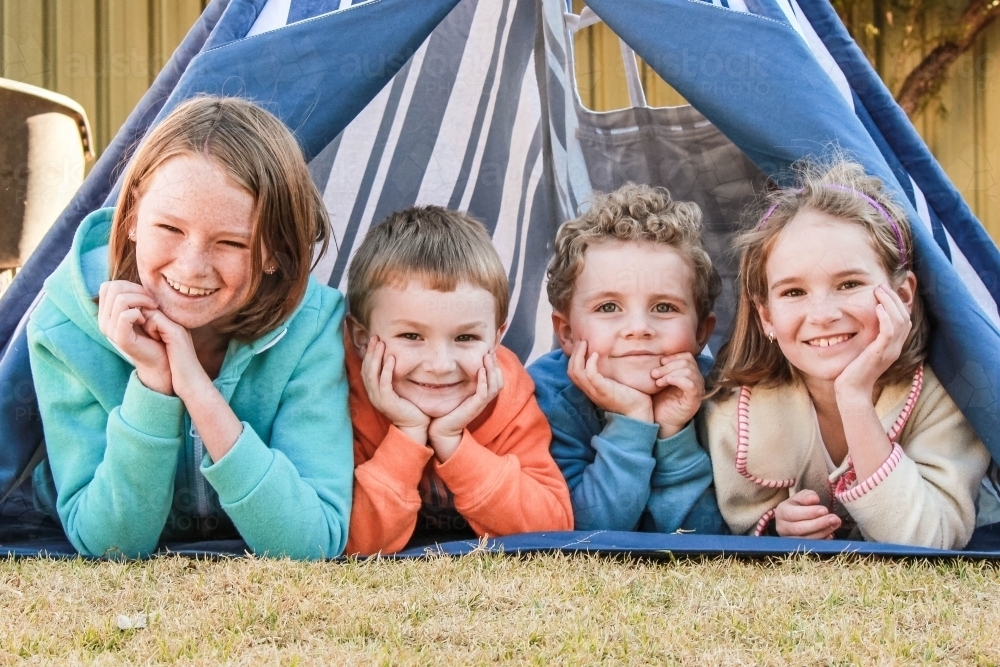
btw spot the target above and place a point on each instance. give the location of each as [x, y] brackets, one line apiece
[747, 13]
[367, 3]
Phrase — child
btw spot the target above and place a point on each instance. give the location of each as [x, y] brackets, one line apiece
[632, 291]
[448, 438]
[826, 422]
[202, 395]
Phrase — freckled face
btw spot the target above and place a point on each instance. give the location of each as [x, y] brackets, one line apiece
[192, 242]
[634, 304]
[439, 341]
[821, 275]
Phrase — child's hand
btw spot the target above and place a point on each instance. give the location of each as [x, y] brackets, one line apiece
[606, 394]
[187, 375]
[680, 398]
[803, 516]
[376, 371]
[120, 317]
[445, 433]
[859, 378]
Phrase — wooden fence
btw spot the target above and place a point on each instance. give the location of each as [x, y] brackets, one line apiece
[102, 53]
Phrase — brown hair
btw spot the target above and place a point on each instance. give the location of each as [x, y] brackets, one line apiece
[440, 246]
[633, 213]
[259, 153]
[839, 190]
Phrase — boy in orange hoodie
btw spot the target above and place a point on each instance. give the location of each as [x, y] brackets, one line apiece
[449, 441]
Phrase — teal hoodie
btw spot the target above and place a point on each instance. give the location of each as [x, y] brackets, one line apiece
[126, 470]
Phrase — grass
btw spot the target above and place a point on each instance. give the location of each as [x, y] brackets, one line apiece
[488, 608]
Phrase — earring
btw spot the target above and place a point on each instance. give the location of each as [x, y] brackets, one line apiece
[131, 235]
[770, 337]
[270, 270]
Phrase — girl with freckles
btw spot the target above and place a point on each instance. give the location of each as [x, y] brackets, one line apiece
[825, 420]
[188, 369]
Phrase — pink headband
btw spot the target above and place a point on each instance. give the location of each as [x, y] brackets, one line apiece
[878, 207]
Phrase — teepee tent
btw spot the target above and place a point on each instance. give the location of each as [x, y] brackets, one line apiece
[472, 104]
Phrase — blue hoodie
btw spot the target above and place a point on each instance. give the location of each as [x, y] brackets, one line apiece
[620, 475]
[126, 470]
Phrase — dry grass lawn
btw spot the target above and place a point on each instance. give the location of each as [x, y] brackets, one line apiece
[489, 608]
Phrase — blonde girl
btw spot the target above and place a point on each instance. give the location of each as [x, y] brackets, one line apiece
[825, 420]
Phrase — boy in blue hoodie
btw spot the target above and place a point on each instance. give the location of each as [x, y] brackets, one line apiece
[632, 292]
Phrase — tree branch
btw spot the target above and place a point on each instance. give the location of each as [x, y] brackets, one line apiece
[927, 78]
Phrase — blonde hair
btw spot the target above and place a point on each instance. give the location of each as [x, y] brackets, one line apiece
[638, 213]
[439, 246]
[841, 190]
[259, 153]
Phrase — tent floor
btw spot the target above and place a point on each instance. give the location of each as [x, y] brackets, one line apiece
[985, 544]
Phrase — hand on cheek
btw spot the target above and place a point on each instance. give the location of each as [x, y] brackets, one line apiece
[859, 378]
[376, 372]
[854, 387]
[680, 397]
[445, 433]
[803, 516]
[122, 309]
[605, 393]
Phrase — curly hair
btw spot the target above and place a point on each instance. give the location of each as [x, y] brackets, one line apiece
[638, 213]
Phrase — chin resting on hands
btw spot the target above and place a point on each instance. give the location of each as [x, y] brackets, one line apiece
[376, 372]
[861, 375]
[682, 390]
[187, 374]
[123, 309]
[605, 393]
[445, 433]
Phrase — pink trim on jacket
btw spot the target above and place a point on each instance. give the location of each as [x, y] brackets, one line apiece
[911, 401]
[762, 523]
[743, 446]
[846, 489]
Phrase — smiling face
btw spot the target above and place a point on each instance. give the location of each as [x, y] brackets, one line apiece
[438, 339]
[192, 242]
[633, 303]
[821, 276]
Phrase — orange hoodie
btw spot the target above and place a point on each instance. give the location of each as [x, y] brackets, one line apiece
[502, 478]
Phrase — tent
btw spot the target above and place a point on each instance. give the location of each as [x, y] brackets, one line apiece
[472, 104]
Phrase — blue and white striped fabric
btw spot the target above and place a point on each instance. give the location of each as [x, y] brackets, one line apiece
[472, 104]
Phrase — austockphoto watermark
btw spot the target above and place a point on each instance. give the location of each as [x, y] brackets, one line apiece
[50, 171]
[26, 59]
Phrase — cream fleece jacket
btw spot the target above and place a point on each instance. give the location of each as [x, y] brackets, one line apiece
[924, 494]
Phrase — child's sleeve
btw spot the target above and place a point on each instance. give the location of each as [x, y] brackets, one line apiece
[745, 506]
[292, 496]
[925, 493]
[681, 494]
[609, 476]
[510, 485]
[607, 467]
[386, 496]
[113, 470]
